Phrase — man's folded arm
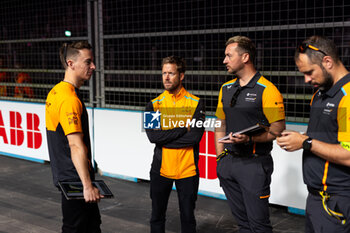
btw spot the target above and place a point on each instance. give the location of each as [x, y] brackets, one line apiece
[161, 137]
[194, 135]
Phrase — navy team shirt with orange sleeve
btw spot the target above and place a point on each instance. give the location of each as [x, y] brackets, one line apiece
[258, 102]
[329, 122]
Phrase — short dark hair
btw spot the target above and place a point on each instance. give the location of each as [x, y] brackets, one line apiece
[322, 43]
[245, 45]
[72, 50]
[178, 61]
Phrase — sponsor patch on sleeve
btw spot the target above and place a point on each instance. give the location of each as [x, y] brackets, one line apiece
[345, 145]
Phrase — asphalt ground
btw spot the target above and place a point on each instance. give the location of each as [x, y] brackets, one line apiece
[30, 203]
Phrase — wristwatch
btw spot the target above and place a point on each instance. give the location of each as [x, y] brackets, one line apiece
[307, 144]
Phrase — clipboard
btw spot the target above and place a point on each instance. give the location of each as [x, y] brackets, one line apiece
[255, 129]
[73, 190]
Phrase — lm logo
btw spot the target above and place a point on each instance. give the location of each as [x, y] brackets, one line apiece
[207, 157]
[151, 120]
[17, 133]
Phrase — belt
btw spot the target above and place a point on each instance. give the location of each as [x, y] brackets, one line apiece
[313, 191]
[325, 197]
[236, 154]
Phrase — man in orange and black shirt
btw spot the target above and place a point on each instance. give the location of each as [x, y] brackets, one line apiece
[68, 138]
[176, 152]
[245, 164]
[326, 144]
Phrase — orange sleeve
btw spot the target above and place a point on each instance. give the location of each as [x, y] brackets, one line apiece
[272, 102]
[70, 116]
[220, 108]
[343, 118]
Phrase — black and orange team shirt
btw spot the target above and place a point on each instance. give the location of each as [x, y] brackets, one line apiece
[330, 123]
[176, 152]
[65, 114]
[257, 102]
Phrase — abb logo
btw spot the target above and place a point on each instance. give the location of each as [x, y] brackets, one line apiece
[207, 156]
[34, 137]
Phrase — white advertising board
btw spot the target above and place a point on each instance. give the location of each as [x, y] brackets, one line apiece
[122, 150]
[23, 132]
[287, 185]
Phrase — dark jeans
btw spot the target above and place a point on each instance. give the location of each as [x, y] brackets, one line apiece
[80, 217]
[246, 183]
[187, 190]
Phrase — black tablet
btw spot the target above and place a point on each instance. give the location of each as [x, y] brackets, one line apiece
[74, 189]
[252, 130]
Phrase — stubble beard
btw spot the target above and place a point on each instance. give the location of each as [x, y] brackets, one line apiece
[328, 80]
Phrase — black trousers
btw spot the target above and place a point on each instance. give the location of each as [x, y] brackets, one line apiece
[246, 183]
[80, 217]
[319, 221]
[187, 190]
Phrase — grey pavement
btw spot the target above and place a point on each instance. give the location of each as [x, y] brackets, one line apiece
[30, 203]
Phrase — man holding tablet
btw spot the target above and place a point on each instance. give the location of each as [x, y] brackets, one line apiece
[68, 138]
[244, 161]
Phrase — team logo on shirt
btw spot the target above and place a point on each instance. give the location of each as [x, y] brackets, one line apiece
[72, 118]
[251, 94]
[330, 105]
[250, 97]
[151, 120]
[329, 108]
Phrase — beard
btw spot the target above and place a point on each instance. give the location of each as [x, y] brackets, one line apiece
[235, 70]
[171, 86]
[328, 80]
